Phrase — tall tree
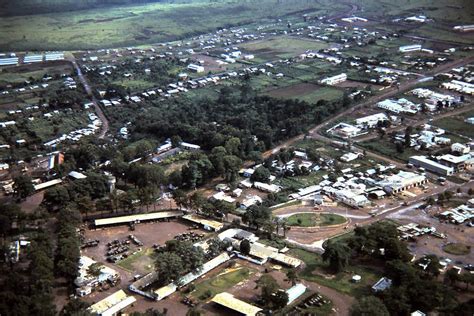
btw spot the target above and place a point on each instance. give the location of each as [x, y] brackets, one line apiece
[369, 306]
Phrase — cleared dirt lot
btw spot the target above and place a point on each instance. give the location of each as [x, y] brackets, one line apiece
[149, 234]
[432, 245]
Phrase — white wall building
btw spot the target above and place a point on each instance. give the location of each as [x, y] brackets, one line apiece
[334, 79]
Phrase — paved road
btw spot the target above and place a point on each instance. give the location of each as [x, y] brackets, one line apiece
[105, 123]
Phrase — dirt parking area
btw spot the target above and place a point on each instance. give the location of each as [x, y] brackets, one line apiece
[148, 233]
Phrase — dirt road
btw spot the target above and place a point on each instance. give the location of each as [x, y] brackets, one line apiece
[105, 123]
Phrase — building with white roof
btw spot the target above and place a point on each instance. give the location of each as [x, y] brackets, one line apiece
[402, 181]
[196, 68]
[431, 165]
[399, 106]
[456, 162]
[410, 48]
[112, 304]
[345, 130]
[459, 86]
[86, 280]
[371, 121]
[334, 79]
[229, 301]
[295, 292]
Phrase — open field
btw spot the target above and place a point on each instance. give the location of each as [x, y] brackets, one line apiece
[17, 75]
[457, 125]
[387, 148]
[281, 47]
[136, 24]
[457, 249]
[315, 271]
[312, 219]
[225, 280]
[306, 92]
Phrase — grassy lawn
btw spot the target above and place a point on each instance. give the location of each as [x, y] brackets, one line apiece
[315, 271]
[457, 249]
[221, 282]
[456, 124]
[302, 220]
[387, 148]
[295, 183]
[282, 47]
[141, 261]
[312, 219]
[59, 124]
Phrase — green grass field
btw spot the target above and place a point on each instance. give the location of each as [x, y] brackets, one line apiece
[457, 125]
[282, 47]
[140, 262]
[313, 219]
[387, 148]
[136, 24]
[220, 283]
[457, 249]
[315, 271]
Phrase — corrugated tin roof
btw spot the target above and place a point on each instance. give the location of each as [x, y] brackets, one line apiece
[229, 301]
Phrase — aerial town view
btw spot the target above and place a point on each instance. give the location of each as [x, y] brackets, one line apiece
[237, 157]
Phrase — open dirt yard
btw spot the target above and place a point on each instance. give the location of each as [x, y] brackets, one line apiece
[428, 244]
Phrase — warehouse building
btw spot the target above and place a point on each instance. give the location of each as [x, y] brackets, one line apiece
[112, 304]
[229, 301]
[430, 165]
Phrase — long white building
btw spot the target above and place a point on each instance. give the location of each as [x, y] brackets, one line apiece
[334, 79]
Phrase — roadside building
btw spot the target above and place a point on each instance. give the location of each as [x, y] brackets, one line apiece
[455, 162]
[137, 218]
[331, 81]
[207, 224]
[371, 121]
[402, 181]
[430, 165]
[459, 215]
[345, 130]
[228, 300]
